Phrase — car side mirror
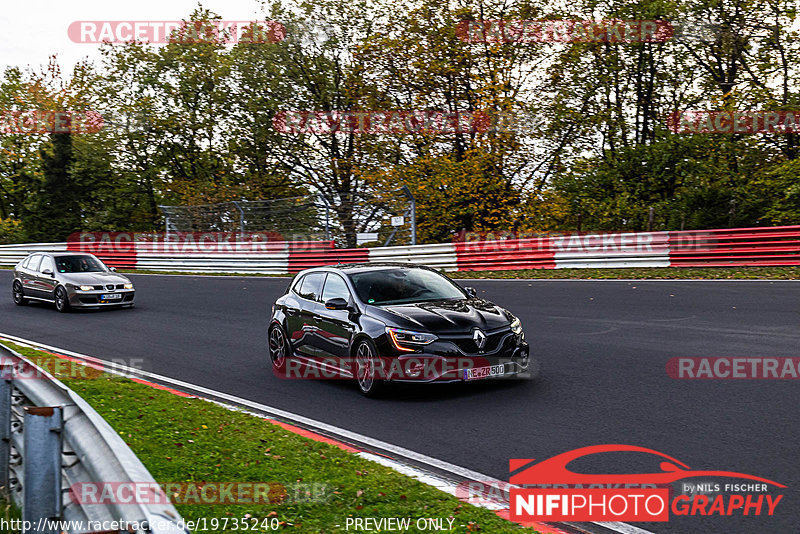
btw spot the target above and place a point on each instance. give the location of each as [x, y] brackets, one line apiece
[336, 304]
[47, 272]
[471, 292]
[112, 269]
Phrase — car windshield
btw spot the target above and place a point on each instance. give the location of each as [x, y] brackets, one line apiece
[403, 285]
[79, 264]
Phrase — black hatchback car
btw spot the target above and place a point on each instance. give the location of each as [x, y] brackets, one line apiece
[379, 323]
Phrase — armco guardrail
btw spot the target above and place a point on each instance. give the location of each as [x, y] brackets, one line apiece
[50, 440]
[763, 246]
[767, 246]
[13, 254]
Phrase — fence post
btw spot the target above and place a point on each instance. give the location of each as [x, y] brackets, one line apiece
[327, 218]
[241, 220]
[407, 192]
[42, 483]
[6, 387]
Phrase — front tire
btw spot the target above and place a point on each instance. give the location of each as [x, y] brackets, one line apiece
[18, 294]
[367, 365]
[62, 300]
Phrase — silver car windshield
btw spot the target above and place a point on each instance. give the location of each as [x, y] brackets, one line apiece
[79, 264]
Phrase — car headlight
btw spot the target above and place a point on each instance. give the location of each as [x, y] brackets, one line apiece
[86, 288]
[407, 340]
[128, 286]
[516, 326]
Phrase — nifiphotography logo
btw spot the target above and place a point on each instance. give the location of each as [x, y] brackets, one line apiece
[564, 495]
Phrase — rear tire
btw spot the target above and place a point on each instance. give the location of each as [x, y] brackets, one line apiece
[367, 362]
[62, 300]
[18, 294]
[279, 350]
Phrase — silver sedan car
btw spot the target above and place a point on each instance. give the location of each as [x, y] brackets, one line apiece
[70, 280]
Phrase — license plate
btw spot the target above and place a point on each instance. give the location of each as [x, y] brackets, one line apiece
[111, 296]
[484, 372]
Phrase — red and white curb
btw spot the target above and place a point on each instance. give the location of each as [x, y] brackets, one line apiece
[404, 461]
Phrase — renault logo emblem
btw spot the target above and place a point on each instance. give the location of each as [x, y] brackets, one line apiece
[479, 337]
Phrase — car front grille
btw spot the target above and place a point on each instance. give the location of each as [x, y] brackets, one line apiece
[466, 343]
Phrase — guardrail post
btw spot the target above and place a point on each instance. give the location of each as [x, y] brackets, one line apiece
[42, 483]
[407, 192]
[6, 387]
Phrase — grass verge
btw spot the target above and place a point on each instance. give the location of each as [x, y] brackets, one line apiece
[191, 440]
[10, 516]
[642, 273]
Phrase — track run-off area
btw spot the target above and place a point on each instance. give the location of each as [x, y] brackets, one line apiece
[603, 347]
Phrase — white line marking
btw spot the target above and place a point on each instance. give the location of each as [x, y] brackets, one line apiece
[421, 475]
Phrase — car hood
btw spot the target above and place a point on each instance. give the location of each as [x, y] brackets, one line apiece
[444, 316]
[93, 278]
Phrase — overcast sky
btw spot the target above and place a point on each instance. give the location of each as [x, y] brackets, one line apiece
[35, 29]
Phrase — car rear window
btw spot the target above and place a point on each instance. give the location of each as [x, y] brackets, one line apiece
[311, 286]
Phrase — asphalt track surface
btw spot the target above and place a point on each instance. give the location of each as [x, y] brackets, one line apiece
[602, 345]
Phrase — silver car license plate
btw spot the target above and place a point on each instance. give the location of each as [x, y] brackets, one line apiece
[111, 296]
[484, 372]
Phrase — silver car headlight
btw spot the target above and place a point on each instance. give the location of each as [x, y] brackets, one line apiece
[86, 288]
[516, 326]
[128, 286]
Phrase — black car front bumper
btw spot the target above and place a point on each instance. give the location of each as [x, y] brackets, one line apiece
[446, 360]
